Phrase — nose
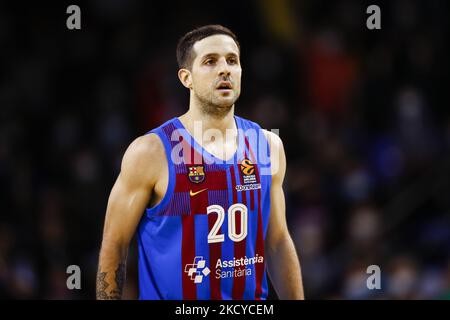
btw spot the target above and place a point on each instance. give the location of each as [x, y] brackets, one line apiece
[224, 69]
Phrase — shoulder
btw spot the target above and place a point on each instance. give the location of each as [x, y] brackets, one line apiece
[269, 135]
[277, 155]
[144, 158]
[247, 123]
[273, 138]
[144, 148]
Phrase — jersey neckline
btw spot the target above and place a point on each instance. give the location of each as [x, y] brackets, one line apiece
[211, 158]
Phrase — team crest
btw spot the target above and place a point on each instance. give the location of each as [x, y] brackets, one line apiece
[196, 174]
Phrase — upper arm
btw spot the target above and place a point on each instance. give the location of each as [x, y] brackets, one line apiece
[132, 190]
[277, 228]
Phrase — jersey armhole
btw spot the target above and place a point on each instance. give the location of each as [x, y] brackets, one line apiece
[150, 212]
[267, 166]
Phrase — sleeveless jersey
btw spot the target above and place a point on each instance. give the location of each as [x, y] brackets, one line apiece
[205, 238]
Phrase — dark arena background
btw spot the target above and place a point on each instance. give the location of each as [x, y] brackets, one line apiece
[363, 114]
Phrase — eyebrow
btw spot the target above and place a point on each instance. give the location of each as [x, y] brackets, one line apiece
[211, 55]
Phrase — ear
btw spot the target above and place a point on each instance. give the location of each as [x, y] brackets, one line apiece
[185, 77]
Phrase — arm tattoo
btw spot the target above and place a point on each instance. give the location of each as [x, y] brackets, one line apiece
[120, 278]
[102, 284]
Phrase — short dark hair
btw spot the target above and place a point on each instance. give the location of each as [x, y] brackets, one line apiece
[185, 55]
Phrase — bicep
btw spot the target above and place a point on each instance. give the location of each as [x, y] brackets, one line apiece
[126, 205]
[131, 193]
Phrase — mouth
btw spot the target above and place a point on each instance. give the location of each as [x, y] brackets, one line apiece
[224, 86]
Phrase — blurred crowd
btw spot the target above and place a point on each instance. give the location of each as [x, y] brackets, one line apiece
[363, 115]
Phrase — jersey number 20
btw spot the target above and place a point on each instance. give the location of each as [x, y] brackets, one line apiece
[213, 235]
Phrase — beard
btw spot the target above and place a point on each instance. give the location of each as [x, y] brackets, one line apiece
[214, 107]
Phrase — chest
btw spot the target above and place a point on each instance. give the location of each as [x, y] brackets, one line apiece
[198, 187]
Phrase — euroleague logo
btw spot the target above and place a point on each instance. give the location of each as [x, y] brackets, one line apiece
[250, 182]
[247, 167]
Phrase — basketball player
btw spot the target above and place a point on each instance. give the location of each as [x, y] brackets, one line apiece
[209, 213]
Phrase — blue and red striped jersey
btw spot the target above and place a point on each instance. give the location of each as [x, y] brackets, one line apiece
[205, 238]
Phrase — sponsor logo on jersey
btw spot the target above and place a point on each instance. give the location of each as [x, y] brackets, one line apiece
[227, 268]
[196, 174]
[247, 169]
[197, 270]
[252, 186]
[192, 193]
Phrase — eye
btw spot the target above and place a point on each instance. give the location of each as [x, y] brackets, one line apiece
[232, 60]
[209, 61]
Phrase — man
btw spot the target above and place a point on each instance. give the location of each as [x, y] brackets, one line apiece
[209, 212]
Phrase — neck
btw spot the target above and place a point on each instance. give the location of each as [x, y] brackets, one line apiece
[210, 117]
